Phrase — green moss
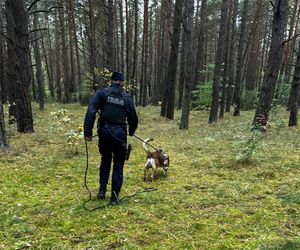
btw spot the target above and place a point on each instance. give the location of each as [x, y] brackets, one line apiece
[209, 200]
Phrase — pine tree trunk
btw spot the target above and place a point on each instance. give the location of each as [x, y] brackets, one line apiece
[65, 56]
[92, 42]
[19, 63]
[181, 73]
[145, 52]
[58, 60]
[240, 62]
[3, 93]
[168, 102]
[188, 30]
[274, 62]
[295, 93]
[254, 56]
[38, 62]
[49, 58]
[213, 117]
[3, 138]
[232, 59]
[224, 81]
[288, 46]
[111, 62]
[134, 76]
[128, 41]
[200, 58]
[122, 35]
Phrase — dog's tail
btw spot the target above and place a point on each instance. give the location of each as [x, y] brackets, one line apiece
[145, 145]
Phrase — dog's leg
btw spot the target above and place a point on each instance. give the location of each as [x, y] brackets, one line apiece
[146, 167]
[154, 169]
[145, 173]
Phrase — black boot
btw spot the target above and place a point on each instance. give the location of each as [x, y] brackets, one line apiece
[101, 194]
[114, 199]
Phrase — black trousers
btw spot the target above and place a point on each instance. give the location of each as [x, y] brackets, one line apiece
[112, 146]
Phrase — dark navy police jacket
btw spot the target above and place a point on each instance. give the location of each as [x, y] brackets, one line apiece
[115, 106]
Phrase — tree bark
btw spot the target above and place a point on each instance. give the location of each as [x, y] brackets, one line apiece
[274, 62]
[3, 138]
[122, 62]
[188, 30]
[65, 56]
[145, 54]
[92, 42]
[2, 67]
[227, 43]
[58, 59]
[111, 62]
[240, 62]
[213, 117]
[19, 63]
[168, 102]
[49, 59]
[232, 59]
[200, 58]
[295, 93]
[38, 62]
[134, 76]
[181, 72]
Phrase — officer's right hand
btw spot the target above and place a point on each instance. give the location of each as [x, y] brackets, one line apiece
[89, 138]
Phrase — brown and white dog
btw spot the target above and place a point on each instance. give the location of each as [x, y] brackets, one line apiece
[155, 160]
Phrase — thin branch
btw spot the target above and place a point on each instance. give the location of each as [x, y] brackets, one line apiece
[32, 4]
[38, 30]
[45, 11]
[292, 38]
[8, 38]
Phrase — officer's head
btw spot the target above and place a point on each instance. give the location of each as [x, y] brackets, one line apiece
[117, 77]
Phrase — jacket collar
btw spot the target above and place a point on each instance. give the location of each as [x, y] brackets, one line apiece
[117, 86]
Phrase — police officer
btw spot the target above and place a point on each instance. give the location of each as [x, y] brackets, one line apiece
[116, 108]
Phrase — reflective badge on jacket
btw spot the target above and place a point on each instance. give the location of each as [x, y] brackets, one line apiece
[115, 100]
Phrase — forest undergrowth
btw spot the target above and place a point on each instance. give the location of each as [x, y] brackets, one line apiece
[227, 188]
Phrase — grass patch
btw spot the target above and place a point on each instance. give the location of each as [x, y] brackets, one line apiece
[208, 201]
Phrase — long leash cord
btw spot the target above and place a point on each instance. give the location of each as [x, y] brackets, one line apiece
[145, 190]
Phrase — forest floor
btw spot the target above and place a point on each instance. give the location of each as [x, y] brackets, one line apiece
[215, 196]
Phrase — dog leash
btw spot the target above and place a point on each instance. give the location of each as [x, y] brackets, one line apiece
[145, 190]
[139, 138]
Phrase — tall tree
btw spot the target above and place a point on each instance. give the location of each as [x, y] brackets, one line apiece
[122, 35]
[213, 117]
[92, 42]
[111, 62]
[240, 61]
[38, 60]
[254, 53]
[232, 58]
[181, 73]
[295, 93]
[280, 9]
[145, 55]
[19, 63]
[58, 59]
[199, 76]
[227, 42]
[188, 33]
[168, 102]
[65, 55]
[134, 74]
[73, 34]
[3, 138]
[2, 61]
